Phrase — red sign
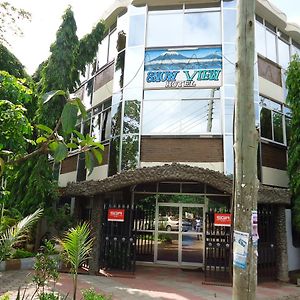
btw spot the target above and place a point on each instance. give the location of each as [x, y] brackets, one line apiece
[222, 219]
[116, 214]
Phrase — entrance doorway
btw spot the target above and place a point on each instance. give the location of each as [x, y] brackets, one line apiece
[169, 221]
[179, 234]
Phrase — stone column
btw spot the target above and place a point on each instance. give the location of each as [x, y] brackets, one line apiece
[281, 241]
[96, 226]
[77, 208]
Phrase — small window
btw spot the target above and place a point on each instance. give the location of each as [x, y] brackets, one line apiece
[278, 127]
[259, 19]
[272, 121]
[266, 123]
[284, 36]
[101, 121]
[270, 26]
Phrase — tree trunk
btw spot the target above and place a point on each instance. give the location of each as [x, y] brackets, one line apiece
[245, 146]
[75, 280]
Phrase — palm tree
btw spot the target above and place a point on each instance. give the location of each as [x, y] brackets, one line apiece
[17, 233]
[77, 245]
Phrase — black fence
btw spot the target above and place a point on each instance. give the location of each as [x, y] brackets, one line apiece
[118, 241]
[144, 232]
[266, 261]
[218, 254]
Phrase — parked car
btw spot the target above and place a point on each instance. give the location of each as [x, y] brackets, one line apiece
[170, 223]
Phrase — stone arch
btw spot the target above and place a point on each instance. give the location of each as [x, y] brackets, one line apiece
[172, 172]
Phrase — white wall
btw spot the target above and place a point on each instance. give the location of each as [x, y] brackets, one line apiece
[275, 177]
[293, 252]
[103, 93]
[98, 173]
[63, 179]
[216, 166]
[270, 89]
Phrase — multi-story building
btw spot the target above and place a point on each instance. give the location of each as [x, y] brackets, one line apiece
[161, 98]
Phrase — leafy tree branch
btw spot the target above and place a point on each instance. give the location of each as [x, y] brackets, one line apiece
[293, 85]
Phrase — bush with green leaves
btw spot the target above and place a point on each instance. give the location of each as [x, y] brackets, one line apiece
[21, 253]
[4, 296]
[91, 294]
[60, 218]
[46, 266]
[16, 234]
[49, 296]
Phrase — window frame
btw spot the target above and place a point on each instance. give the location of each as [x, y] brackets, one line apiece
[284, 117]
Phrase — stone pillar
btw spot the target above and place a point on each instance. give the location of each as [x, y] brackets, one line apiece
[281, 242]
[96, 226]
[77, 208]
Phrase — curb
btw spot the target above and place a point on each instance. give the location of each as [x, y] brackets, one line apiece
[17, 264]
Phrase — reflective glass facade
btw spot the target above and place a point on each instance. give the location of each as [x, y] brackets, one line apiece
[174, 76]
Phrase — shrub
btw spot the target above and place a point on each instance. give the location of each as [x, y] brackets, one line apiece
[21, 253]
[46, 268]
[49, 296]
[91, 294]
[4, 296]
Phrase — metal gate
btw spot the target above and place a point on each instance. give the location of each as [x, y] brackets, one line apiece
[218, 248]
[118, 240]
[144, 231]
[266, 263]
[218, 254]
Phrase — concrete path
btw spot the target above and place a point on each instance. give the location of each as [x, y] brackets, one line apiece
[150, 283]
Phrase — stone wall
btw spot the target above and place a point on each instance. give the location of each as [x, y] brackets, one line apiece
[281, 245]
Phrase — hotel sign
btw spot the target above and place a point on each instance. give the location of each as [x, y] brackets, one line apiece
[185, 68]
[116, 214]
[222, 219]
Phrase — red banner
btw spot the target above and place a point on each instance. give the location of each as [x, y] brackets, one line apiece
[222, 219]
[116, 214]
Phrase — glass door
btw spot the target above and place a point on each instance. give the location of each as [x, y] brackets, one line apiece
[167, 232]
[192, 235]
[179, 233]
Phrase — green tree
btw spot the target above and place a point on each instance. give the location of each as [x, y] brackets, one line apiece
[15, 119]
[14, 127]
[293, 86]
[11, 64]
[36, 175]
[60, 71]
[33, 170]
[19, 91]
[69, 56]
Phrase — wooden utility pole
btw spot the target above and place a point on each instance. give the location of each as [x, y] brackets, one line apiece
[245, 146]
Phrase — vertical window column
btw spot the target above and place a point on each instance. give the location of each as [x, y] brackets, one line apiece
[128, 91]
[229, 15]
[117, 97]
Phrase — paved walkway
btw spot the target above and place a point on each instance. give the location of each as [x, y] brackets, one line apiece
[151, 283]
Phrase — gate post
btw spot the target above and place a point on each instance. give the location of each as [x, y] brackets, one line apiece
[281, 241]
[96, 226]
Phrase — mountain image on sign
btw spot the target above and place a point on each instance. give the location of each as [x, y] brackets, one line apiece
[169, 56]
[201, 58]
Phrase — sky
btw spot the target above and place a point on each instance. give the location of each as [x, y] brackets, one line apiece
[33, 47]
